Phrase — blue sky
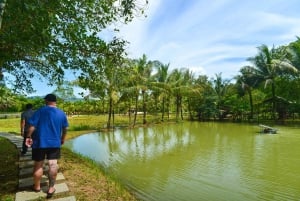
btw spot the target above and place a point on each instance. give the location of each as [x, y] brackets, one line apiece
[209, 36]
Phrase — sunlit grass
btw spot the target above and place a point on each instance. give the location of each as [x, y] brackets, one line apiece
[11, 125]
[81, 122]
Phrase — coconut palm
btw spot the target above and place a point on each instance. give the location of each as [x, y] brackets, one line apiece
[160, 86]
[180, 83]
[268, 65]
[143, 73]
[192, 92]
[294, 50]
[220, 87]
[138, 82]
[247, 82]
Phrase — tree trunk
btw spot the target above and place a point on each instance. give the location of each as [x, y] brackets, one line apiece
[163, 109]
[190, 111]
[177, 107]
[109, 113]
[135, 110]
[2, 6]
[251, 104]
[181, 112]
[273, 101]
[144, 108]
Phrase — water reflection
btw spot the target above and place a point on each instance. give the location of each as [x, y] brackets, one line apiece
[199, 161]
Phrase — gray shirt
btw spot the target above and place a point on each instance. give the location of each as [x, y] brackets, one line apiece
[26, 115]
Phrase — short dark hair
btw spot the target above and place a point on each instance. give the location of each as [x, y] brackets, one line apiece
[50, 98]
[28, 106]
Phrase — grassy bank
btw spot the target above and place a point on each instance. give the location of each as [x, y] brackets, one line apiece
[8, 170]
[85, 179]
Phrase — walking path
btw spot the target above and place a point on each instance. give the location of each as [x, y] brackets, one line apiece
[26, 181]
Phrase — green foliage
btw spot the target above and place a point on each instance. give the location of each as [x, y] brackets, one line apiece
[46, 37]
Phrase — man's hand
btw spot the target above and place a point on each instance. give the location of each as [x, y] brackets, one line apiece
[28, 142]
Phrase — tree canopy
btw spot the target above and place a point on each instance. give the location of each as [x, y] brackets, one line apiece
[43, 38]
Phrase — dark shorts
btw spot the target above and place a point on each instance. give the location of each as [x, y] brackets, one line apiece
[45, 153]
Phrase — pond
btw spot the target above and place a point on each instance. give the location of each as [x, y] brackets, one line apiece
[199, 161]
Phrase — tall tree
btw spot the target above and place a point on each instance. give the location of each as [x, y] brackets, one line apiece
[294, 51]
[205, 105]
[268, 65]
[64, 91]
[180, 86]
[160, 85]
[247, 81]
[220, 87]
[194, 93]
[142, 72]
[102, 76]
[45, 37]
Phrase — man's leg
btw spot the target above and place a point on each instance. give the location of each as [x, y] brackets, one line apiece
[53, 169]
[37, 174]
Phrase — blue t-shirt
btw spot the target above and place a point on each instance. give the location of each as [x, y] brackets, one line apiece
[49, 123]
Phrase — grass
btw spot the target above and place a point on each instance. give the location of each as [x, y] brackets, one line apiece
[8, 170]
[84, 122]
[85, 179]
[11, 125]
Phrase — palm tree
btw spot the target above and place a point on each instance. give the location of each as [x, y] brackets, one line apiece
[160, 85]
[180, 83]
[192, 91]
[143, 73]
[247, 81]
[268, 65]
[294, 50]
[176, 82]
[220, 86]
[138, 82]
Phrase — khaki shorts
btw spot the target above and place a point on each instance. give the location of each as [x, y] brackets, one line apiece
[45, 153]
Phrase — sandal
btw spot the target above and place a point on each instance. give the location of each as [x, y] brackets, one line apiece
[49, 195]
[35, 190]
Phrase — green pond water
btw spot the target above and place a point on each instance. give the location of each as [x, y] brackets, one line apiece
[200, 161]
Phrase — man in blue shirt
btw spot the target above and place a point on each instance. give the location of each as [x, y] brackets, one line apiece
[50, 126]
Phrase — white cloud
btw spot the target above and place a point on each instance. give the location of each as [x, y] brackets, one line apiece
[213, 36]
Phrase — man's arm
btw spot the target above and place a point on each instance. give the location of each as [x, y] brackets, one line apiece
[30, 131]
[63, 136]
[28, 141]
[22, 126]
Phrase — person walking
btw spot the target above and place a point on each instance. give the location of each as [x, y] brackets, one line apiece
[50, 125]
[25, 116]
